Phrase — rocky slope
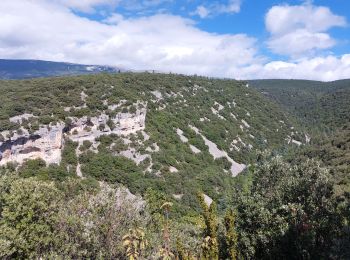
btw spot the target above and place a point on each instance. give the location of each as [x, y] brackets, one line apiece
[177, 133]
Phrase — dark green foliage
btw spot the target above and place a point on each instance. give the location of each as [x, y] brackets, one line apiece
[210, 247]
[320, 104]
[86, 145]
[38, 168]
[186, 100]
[333, 151]
[283, 209]
[290, 208]
[69, 158]
[29, 209]
[231, 235]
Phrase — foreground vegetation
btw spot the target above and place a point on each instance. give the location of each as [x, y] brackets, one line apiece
[290, 203]
[286, 211]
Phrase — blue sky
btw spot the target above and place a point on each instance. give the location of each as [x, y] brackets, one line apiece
[225, 38]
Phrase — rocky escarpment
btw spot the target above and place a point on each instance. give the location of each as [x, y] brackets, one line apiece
[47, 142]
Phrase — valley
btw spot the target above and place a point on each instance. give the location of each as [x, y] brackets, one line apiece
[168, 138]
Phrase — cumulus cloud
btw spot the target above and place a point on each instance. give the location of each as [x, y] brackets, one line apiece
[301, 30]
[87, 5]
[49, 30]
[114, 18]
[216, 8]
[202, 12]
[327, 68]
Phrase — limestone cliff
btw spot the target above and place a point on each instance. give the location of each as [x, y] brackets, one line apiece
[47, 142]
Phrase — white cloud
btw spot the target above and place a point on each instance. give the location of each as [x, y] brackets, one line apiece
[301, 30]
[50, 31]
[87, 5]
[160, 42]
[201, 11]
[299, 42]
[216, 8]
[233, 6]
[114, 19]
[327, 68]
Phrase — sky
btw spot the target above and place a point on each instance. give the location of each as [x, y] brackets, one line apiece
[240, 39]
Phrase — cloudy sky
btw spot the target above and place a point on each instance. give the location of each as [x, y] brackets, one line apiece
[241, 39]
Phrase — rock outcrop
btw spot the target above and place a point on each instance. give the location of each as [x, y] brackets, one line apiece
[48, 141]
[46, 144]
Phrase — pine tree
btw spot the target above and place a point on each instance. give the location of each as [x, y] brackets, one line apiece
[210, 249]
[165, 252]
[231, 235]
[134, 243]
[182, 253]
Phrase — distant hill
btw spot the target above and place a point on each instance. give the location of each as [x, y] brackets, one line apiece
[324, 109]
[26, 69]
[323, 104]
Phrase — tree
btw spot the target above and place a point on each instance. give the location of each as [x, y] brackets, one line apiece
[181, 252]
[134, 243]
[165, 252]
[231, 235]
[210, 248]
[28, 216]
[95, 225]
[290, 211]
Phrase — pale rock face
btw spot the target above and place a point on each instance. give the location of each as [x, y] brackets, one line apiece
[307, 138]
[290, 140]
[146, 137]
[216, 112]
[194, 149]
[125, 124]
[245, 123]
[220, 107]
[20, 118]
[115, 106]
[184, 139]
[48, 141]
[178, 196]
[133, 155]
[83, 96]
[43, 144]
[172, 169]
[236, 168]
[296, 142]
[180, 133]
[153, 149]
[79, 173]
[234, 116]
[207, 200]
[157, 94]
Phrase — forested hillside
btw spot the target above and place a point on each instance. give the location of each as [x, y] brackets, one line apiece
[28, 69]
[324, 109]
[317, 104]
[163, 166]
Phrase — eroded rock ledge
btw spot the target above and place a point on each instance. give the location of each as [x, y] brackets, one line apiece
[47, 142]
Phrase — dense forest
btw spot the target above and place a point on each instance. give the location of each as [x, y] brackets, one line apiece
[290, 202]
